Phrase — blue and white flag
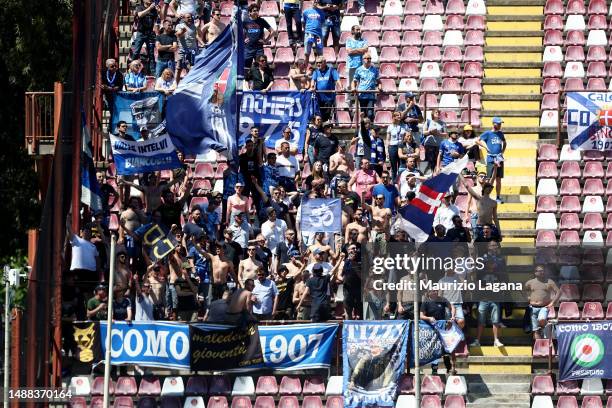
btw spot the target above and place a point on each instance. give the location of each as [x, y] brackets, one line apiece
[589, 120]
[90, 189]
[431, 346]
[149, 344]
[202, 115]
[585, 350]
[418, 216]
[374, 354]
[272, 112]
[321, 215]
[144, 156]
[139, 110]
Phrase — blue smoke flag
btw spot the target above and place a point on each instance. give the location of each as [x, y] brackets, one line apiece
[418, 216]
[203, 115]
[90, 189]
[585, 350]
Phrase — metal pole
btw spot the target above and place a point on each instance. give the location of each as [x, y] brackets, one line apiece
[7, 339]
[417, 374]
[109, 322]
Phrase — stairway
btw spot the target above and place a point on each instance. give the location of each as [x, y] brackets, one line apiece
[498, 390]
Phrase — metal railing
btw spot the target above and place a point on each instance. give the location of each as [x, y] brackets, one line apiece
[39, 120]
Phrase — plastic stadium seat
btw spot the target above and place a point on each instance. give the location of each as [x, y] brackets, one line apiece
[393, 8]
[568, 311]
[453, 38]
[388, 85]
[452, 53]
[597, 22]
[312, 401]
[592, 311]
[570, 169]
[406, 384]
[411, 23]
[389, 54]
[592, 204]
[569, 238]
[81, 386]
[432, 38]
[573, 84]
[450, 101]
[390, 39]
[575, 37]
[373, 22]
[597, 37]
[574, 69]
[434, 7]
[268, 8]
[406, 401]
[569, 273]
[433, 22]
[449, 117]
[413, 7]
[570, 187]
[411, 38]
[476, 23]
[552, 53]
[593, 186]
[455, 385]
[97, 386]
[591, 386]
[546, 221]
[451, 69]
[473, 117]
[196, 385]
[429, 85]
[547, 151]
[314, 386]
[409, 70]
[431, 53]
[471, 101]
[334, 385]
[194, 402]
[476, 7]
[451, 85]
[592, 292]
[123, 402]
[593, 169]
[541, 348]
[472, 85]
[575, 7]
[592, 155]
[388, 70]
[473, 70]
[428, 101]
[474, 37]
[547, 187]
[219, 401]
[596, 69]
[546, 239]
[204, 171]
[408, 84]
[473, 53]
[126, 386]
[454, 22]
[553, 7]
[336, 401]
[290, 386]
[551, 85]
[280, 85]
[570, 387]
[264, 402]
[567, 401]
[431, 401]
[592, 257]
[569, 292]
[549, 118]
[592, 402]
[553, 37]
[549, 102]
[78, 402]
[430, 70]
[149, 386]
[288, 401]
[553, 23]
[455, 7]
[574, 22]
[454, 401]
[170, 402]
[597, 53]
[597, 7]
[432, 384]
[219, 385]
[241, 402]
[542, 385]
[542, 401]
[609, 311]
[173, 386]
[547, 170]
[552, 69]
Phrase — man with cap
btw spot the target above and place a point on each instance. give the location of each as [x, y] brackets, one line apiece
[240, 230]
[286, 137]
[295, 266]
[325, 145]
[494, 142]
[450, 150]
[411, 114]
[325, 266]
[388, 191]
[318, 287]
[97, 306]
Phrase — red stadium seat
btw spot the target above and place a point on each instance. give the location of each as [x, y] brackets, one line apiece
[548, 151]
[573, 85]
[390, 39]
[288, 401]
[204, 171]
[570, 187]
[454, 401]
[428, 101]
[312, 401]
[553, 23]
[547, 170]
[546, 204]
[126, 386]
[592, 221]
[593, 186]
[429, 85]
[574, 53]
[431, 401]
[570, 387]
[386, 102]
[432, 384]
[268, 8]
[592, 311]
[449, 117]
[335, 401]
[388, 70]
[473, 53]
[432, 38]
[609, 311]
[149, 386]
[597, 22]
[476, 23]
[196, 385]
[567, 401]
[597, 7]
[542, 385]
[473, 117]
[592, 155]
[409, 69]
[123, 402]
[546, 239]
[553, 37]
[284, 55]
[568, 311]
[452, 54]
[411, 23]
[431, 53]
[241, 402]
[551, 85]
[455, 7]
[266, 385]
[569, 221]
[383, 118]
[550, 102]
[97, 387]
[451, 69]
[570, 169]
[569, 238]
[473, 69]
[471, 101]
[541, 348]
[593, 169]
[388, 85]
[389, 54]
[569, 292]
[373, 22]
[280, 85]
[219, 401]
[372, 38]
[454, 22]
[575, 37]
[434, 7]
[597, 53]
[591, 401]
[472, 85]
[474, 37]
[451, 85]
[264, 402]
[413, 7]
[314, 386]
[392, 23]
[411, 38]
[78, 402]
[592, 292]
[219, 385]
[553, 7]
[575, 7]
[596, 69]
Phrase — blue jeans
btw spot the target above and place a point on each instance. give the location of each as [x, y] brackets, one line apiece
[394, 160]
[484, 308]
[161, 65]
[141, 39]
[367, 107]
[333, 27]
[538, 314]
[293, 14]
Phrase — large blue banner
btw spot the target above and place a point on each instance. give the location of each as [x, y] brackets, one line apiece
[272, 111]
[374, 353]
[321, 215]
[138, 110]
[589, 120]
[431, 347]
[150, 344]
[144, 156]
[585, 350]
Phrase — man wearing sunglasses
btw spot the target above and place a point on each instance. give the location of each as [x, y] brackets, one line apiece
[213, 28]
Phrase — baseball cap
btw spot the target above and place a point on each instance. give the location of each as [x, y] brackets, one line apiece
[409, 94]
[317, 268]
[239, 184]
[269, 210]
[468, 127]
[327, 124]
[100, 287]
[294, 252]
[497, 120]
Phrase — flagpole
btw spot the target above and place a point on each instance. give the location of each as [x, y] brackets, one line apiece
[416, 351]
[109, 323]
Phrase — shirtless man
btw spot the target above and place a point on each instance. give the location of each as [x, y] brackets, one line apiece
[381, 219]
[156, 278]
[211, 30]
[247, 269]
[486, 206]
[221, 268]
[123, 274]
[303, 313]
[131, 218]
[295, 266]
[240, 307]
[152, 192]
[237, 203]
[471, 212]
[325, 249]
[341, 162]
[358, 225]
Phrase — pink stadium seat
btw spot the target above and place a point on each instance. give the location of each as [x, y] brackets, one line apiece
[553, 37]
[592, 311]
[474, 37]
[454, 22]
[574, 53]
[412, 23]
[372, 38]
[406, 384]
[411, 38]
[314, 386]
[570, 169]
[312, 401]
[392, 23]
[593, 186]
[266, 385]
[455, 7]
[596, 69]
[473, 70]
[428, 100]
[409, 69]
[284, 55]
[113, 223]
[149, 386]
[597, 53]
[473, 117]
[96, 402]
[553, 23]
[593, 169]
[431, 401]
[432, 38]
[196, 385]
[473, 53]
[575, 7]
[592, 292]
[413, 7]
[592, 257]
[472, 85]
[609, 171]
[568, 311]
[569, 221]
[429, 85]
[221, 167]
[431, 53]
[280, 85]
[541, 348]
[264, 402]
[432, 384]
[454, 401]
[451, 85]
[546, 238]
[570, 387]
[383, 118]
[385, 102]
[219, 401]
[268, 8]
[373, 22]
[573, 84]
[575, 37]
[597, 22]
[547, 170]
[548, 151]
[241, 402]
[609, 311]
[288, 401]
[597, 7]
[388, 85]
[204, 171]
[123, 402]
[551, 85]
[329, 54]
[126, 386]
[335, 401]
[389, 54]
[569, 238]
[78, 402]
[553, 7]
[476, 23]
[345, 35]
[451, 69]
[592, 155]
[550, 102]
[567, 401]
[452, 53]
[219, 385]
[390, 39]
[434, 7]
[542, 385]
[449, 117]
[388, 70]
[569, 292]
[591, 401]
[570, 187]
[97, 387]
[473, 100]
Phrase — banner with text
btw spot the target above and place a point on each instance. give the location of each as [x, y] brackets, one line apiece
[374, 353]
[321, 215]
[431, 346]
[589, 120]
[138, 110]
[271, 112]
[150, 344]
[144, 156]
[219, 347]
[585, 350]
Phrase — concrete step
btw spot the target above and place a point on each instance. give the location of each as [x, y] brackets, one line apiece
[512, 80]
[518, 241]
[513, 105]
[497, 389]
[515, 11]
[514, 48]
[516, 225]
[512, 23]
[515, 207]
[497, 89]
[505, 113]
[532, 38]
[488, 400]
[511, 97]
[512, 72]
[517, 215]
[513, 64]
[514, 121]
[516, 3]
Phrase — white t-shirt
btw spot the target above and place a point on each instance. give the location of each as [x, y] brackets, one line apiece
[444, 215]
[273, 232]
[144, 308]
[186, 7]
[84, 254]
[165, 85]
[277, 144]
[327, 267]
[287, 166]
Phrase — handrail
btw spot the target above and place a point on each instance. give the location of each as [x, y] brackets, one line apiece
[39, 119]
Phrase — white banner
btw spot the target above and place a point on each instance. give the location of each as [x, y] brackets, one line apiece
[589, 120]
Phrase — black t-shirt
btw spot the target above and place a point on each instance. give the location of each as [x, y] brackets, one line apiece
[319, 287]
[435, 309]
[113, 80]
[165, 39]
[248, 166]
[326, 146]
[232, 251]
[285, 294]
[191, 229]
[351, 280]
[120, 308]
[264, 255]
[333, 15]
[185, 302]
[170, 213]
[457, 234]
[106, 190]
[145, 23]
[254, 32]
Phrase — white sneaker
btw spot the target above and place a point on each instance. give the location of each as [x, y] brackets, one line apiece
[362, 10]
[475, 343]
[498, 343]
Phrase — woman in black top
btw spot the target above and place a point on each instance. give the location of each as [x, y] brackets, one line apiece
[261, 75]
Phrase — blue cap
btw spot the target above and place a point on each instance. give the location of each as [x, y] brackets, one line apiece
[497, 120]
[409, 94]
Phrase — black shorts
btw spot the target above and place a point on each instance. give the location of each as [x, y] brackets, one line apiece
[217, 290]
[500, 170]
[320, 313]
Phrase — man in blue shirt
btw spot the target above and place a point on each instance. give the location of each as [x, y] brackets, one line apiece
[450, 150]
[313, 19]
[332, 21]
[254, 39]
[325, 78]
[411, 114]
[388, 191]
[355, 48]
[494, 142]
[366, 79]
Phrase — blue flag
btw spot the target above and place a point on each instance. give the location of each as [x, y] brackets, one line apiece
[90, 189]
[202, 115]
[585, 350]
[321, 215]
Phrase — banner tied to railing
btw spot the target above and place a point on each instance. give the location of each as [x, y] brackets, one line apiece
[589, 120]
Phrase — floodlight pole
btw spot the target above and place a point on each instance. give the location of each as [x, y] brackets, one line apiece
[109, 323]
[416, 351]
[7, 339]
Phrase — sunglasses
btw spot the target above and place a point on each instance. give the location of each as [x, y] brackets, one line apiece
[367, 58]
